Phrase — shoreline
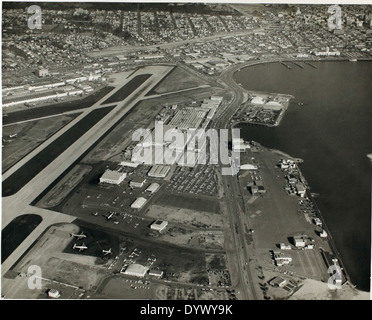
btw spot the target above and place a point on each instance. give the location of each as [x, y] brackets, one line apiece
[330, 239]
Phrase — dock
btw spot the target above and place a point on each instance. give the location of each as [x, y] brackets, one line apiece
[297, 64]
[310, 64]
[286, 65]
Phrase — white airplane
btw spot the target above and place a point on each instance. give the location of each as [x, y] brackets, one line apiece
[106, 252]
[81, 248]
[110, 215]
[79, 236]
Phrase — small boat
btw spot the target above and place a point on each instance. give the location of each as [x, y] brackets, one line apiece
[353, 60]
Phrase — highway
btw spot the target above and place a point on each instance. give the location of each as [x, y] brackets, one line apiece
[236, 212]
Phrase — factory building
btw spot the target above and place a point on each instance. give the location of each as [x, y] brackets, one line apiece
[138, 203]
[156, 273]
[159, 171]
[282, 258]
[137, 183]
[239, 145]
[248, 167]
[53, 293]
[159, 225]
[303, 241]
[153, 187]
[112, 177]
[42, 72]
[188, 118]
[278, 282]
[136, 270]
[301, 190]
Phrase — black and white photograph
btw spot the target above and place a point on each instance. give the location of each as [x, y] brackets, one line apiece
[200, 153]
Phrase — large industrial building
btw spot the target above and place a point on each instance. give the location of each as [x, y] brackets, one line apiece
[159, 171]
[137, 183]
[138, 203]
[187, 118]
[153, 187]
[136, 270]
[112, 177]
[159, 225]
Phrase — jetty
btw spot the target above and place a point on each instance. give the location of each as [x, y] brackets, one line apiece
[310, 64]
[286, 65]
[298, 64]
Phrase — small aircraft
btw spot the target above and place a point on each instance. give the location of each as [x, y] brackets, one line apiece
[110, 216]
[79, 236]
[106, 252]
[81, 248]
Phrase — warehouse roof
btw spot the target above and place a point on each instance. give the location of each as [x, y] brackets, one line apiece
[112, 175]
[159, 170]
[153, 187]
[136, 269]
[138, 203]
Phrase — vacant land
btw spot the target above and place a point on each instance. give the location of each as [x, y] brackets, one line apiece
[189, 202]
[64, 186]
[178, 79]
[29, 136]
[212, 240]
[185, 216]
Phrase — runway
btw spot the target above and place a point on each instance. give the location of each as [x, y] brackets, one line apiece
[19, 203]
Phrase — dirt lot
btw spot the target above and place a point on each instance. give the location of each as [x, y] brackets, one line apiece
[198, 203]
[64, 186]
[185, 216]
[71, 269]
[212, 240]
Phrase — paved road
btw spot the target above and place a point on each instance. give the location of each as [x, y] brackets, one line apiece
[126, 49]
[236, 213]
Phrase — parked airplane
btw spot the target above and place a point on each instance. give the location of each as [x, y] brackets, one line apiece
[81, 248]
[106, 252]
[79, 236]
[111, 215]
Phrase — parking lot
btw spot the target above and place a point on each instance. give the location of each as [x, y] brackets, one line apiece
[198, 180]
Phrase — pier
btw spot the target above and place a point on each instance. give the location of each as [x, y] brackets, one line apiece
[310, 64]
[297, 64]
[286, 65]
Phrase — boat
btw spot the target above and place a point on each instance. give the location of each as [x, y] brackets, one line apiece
[353, 60]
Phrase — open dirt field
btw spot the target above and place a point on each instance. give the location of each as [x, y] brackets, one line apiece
[64, 186]
[71, 269]
[185, 216]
